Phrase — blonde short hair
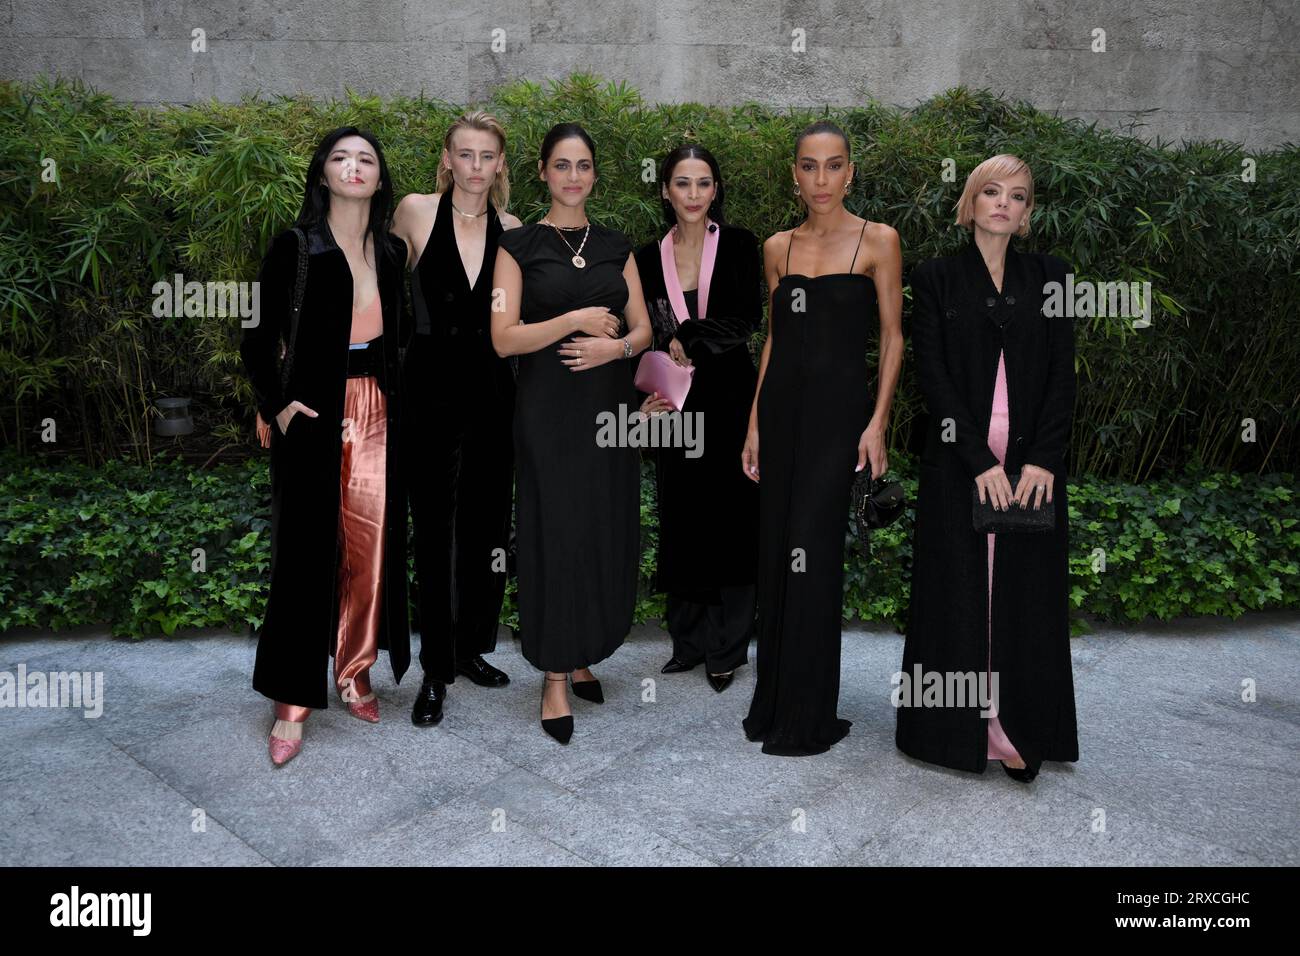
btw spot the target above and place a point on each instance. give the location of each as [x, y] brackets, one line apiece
[995, 167]
[487, 123]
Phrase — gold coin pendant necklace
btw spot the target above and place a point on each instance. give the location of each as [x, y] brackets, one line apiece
[577, 259]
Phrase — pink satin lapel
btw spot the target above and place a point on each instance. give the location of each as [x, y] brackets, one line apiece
[674, 285]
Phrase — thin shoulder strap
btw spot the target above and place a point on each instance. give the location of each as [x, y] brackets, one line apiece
[857, 247]
[787, 251]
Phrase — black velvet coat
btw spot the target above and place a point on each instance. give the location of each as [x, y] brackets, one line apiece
[299, 630]
[956, 342]
[708, 509]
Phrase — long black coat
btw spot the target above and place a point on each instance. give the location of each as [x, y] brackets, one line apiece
[708, 509]
[299, 630]
[956, 342]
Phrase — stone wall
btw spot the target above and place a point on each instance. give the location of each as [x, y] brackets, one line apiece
[1210, 68]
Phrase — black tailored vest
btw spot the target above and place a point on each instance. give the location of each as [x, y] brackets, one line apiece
[447, 308]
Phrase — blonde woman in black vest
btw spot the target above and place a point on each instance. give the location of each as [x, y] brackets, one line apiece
[459, 395]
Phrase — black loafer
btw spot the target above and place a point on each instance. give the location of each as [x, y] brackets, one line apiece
[674, 666]
[428, 703]
[482, 673]
[721, 682]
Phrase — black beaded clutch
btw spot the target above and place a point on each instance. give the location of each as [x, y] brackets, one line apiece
[1015, 520]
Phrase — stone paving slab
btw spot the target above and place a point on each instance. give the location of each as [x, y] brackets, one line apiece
[1175, 768]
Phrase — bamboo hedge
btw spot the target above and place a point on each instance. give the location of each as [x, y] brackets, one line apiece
[99, 200]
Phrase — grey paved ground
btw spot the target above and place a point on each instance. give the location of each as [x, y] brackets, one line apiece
[1183, 771]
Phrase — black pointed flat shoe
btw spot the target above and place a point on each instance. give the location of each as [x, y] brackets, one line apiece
[1023, 775]
[428, 703]
[482, 673]
[674, 666]
[589, 690]
[721, 682]
[559, 728]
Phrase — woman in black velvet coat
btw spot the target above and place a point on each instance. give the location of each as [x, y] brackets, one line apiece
[708, 509]
[299, 629]
[968, 311]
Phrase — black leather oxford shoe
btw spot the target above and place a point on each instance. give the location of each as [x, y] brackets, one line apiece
[481, 672]
[428, 703]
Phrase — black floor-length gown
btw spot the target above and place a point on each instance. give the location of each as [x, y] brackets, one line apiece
[577, 503]
[814, 405]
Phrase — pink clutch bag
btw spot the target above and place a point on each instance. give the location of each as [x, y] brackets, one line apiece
[657, 372]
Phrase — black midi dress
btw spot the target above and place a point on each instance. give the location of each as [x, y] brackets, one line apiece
[577, 503]
[813, 406]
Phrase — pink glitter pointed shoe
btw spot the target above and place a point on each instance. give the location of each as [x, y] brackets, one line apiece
[282, 751]
[367, 710]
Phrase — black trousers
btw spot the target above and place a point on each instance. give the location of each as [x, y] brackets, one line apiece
[714, 626]
[460, 477]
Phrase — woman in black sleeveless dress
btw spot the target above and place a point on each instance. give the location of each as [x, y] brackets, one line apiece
[568, 284]
[812, 428]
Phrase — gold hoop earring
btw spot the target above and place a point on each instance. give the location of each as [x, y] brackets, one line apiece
[796, 189]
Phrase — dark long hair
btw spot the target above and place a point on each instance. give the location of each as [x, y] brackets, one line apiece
[562, 131]
[316, 195]
[692, 151]
[823, 126]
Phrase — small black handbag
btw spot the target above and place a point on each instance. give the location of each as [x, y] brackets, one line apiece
[876, 503]
[1015, 520]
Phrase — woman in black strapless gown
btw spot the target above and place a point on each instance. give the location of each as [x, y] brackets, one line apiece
[815, 428]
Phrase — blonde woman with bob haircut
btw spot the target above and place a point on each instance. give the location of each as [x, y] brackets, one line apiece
[997, 376]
